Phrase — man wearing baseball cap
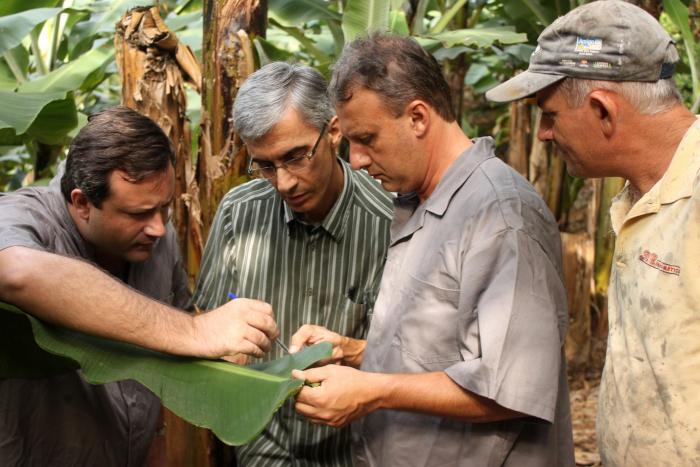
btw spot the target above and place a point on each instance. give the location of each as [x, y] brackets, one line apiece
[602, 77]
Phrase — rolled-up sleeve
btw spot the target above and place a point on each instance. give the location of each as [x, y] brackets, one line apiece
[511, 297]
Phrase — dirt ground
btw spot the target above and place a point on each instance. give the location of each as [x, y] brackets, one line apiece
[583, 393]
[584, 403]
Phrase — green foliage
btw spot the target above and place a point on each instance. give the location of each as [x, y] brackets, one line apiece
[677, 13]
[236, 402]
[362, 16]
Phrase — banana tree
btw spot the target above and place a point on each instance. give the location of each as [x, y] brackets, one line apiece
[52, 60]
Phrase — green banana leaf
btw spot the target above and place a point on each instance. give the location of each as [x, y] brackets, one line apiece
[235, 402]
[14, 28]
[362, 16]
[20, 110]
[70, 76]
[480, 37]
[679, 15]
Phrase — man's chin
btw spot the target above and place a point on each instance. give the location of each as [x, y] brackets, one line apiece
[139, 254]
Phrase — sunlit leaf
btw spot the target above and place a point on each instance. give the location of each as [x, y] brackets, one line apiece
[14, 28]
[177, 22]
[296, 12]
[363, 16]
[70, 76]
[18, 111]
[678, 13]
[269, 52]
[9, 7]
[397, 23]
[235, 402]
[478, 37]
[447, 17]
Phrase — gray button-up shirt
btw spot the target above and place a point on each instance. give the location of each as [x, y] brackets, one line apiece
[62, 420]
[473, 287]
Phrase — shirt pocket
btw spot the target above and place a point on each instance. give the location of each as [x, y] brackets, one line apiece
[428, 325]
[354, 317]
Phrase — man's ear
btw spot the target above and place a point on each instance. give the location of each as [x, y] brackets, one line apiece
[334, 133]
[606, 110]
[419, 115]
[80, 203]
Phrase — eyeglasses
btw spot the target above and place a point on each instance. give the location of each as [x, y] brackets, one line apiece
[298, 164]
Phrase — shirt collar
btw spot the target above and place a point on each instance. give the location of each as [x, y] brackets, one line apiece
[335, 221]
[409, 214]
[676, 183]
[679, 178]
[458, 173]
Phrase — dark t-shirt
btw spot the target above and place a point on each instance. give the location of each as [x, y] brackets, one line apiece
[62, 420]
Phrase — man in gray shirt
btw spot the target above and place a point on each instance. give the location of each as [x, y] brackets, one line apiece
[463, 364]
[111, 209]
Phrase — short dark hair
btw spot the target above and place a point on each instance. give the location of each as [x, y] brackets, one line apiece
[397, 68]
[117, 138]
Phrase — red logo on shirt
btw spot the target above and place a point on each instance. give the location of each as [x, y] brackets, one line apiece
[652, 260]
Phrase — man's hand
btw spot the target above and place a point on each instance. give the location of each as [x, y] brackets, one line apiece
[346, 350]
[344, 394]
[241, 326]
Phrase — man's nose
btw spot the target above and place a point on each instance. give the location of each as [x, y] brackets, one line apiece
[285, 181]
[156, 224]
[359, 159]
[545, 131]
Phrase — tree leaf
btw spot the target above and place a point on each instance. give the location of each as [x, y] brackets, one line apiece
[236, 402]
[447, 17]
[14, 28]
[479, 37]
[297, 12]
[70, 76]
[9, 7]
[18, 111]
[55, 121]
[362, 16]
[678, 13]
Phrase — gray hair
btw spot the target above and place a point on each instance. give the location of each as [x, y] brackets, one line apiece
[268, 93]
[648, 98]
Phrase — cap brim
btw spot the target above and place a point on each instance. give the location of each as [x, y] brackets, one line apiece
[525, 84]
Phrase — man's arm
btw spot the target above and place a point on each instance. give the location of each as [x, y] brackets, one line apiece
[78, 295]
[346, 394]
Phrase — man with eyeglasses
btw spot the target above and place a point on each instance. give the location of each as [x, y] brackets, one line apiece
[308, 235]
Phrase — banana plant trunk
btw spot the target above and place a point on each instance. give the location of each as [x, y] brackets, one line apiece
[229, 29]
[154, 66]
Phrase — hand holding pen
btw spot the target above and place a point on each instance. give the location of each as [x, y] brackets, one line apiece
[233, 296]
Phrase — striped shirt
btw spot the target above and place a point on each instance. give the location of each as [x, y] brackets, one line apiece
[326, 275]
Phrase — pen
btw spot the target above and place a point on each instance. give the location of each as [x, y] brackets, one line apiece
[233, 296]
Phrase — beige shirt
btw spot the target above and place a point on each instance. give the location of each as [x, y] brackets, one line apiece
[649, 408]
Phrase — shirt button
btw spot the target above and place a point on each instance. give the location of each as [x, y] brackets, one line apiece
[309, 291]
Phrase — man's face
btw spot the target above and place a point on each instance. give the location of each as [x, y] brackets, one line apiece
[132, 217]
[311, 187]
[380, 143]
[573, 130]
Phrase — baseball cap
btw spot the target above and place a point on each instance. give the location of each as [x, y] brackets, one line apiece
[607, 40]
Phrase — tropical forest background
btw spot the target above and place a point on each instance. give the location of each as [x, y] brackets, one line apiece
[181, 63]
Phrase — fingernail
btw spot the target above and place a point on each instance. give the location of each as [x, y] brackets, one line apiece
[293, 349]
